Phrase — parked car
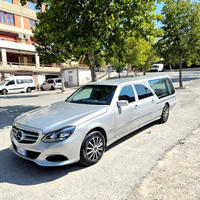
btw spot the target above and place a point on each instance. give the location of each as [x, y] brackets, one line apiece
[92, 118]
[17, 84]
[51, 84]
[122, 71]
[157, 68]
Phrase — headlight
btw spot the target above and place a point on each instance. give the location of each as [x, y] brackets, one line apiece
[59, 135]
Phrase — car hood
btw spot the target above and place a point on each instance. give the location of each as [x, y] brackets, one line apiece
[59, 115]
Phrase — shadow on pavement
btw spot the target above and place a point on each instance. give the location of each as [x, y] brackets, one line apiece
[17, 96]
[189, 78]
[130, 135]
[9, 113]
[21, 96]
[16, 170]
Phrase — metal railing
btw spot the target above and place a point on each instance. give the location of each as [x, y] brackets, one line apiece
[27, 64]
[16, 41]
[40, 65]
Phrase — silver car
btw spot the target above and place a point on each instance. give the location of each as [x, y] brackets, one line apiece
[51, 84]
[93, 117]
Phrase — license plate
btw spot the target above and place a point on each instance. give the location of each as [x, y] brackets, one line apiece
[21, 151]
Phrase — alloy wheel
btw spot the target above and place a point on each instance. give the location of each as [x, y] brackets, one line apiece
[94, 148]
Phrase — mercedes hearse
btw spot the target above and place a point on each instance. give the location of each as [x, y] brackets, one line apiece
[92, 118]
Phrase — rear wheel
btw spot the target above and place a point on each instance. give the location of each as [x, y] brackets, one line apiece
[4, 92]
[28, 90]
[52, 88]
[92, 148]
[165, 114]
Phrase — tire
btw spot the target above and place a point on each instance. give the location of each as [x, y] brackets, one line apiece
[92, 148]
[42, 88]
[4, 92]
[52, 88]
[165, 114]
[28, 90]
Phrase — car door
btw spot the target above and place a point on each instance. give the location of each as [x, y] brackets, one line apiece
[126, 117]
[12, 87]
[147, 103]
[49, 84]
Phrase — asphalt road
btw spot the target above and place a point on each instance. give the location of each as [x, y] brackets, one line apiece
[125, 165]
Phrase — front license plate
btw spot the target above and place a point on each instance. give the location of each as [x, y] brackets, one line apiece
[21, 151]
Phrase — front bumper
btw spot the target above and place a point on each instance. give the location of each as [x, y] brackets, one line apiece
[50, 154]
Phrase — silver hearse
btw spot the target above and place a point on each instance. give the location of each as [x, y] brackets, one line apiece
[93, 117]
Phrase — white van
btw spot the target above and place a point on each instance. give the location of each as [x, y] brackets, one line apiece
[16, 84]
[157, 68]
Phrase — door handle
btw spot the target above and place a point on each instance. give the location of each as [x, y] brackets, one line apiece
[152, 101]
[136, 106]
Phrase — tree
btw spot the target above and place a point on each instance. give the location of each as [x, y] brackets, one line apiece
[98, 56]
[181, 38]
[89, 25]
[140, 53]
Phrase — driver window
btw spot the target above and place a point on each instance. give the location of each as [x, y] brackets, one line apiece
[127, 94]
[12, 82]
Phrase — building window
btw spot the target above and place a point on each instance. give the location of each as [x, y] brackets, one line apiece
[32, 23]
[32, 6]
[6, 18]
[9, 1]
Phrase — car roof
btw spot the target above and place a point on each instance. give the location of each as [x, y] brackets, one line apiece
[121, 81]
[18, 77]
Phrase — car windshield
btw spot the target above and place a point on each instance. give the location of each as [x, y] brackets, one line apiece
[93, 94]
[4, 82]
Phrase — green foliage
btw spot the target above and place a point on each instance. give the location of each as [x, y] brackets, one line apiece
[75, 26]
[99, 59]
[181, 38]
[137, 52]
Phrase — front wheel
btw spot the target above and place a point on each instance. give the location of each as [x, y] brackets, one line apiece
[165, 114]
[4, 92]
[28, 90]
[92, 148]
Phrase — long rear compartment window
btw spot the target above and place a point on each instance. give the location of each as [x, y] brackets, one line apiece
[162, 87]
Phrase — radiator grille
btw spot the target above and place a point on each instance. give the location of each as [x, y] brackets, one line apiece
[23, 136]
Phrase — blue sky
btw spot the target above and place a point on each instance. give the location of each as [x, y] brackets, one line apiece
[158, 11]
[159, 8]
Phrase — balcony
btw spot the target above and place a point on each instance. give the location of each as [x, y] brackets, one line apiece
[28, 67]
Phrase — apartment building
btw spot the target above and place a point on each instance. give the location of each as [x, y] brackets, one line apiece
[17, 53]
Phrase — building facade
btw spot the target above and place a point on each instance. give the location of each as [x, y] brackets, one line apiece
[17, 53]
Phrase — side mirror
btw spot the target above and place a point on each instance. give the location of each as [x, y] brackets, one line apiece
[122, 103]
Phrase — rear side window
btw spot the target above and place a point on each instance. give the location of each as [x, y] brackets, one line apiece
[142, 92]
[22, 81]
[58, 80]
[162, 87]
[50, 81]
[127, 94]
